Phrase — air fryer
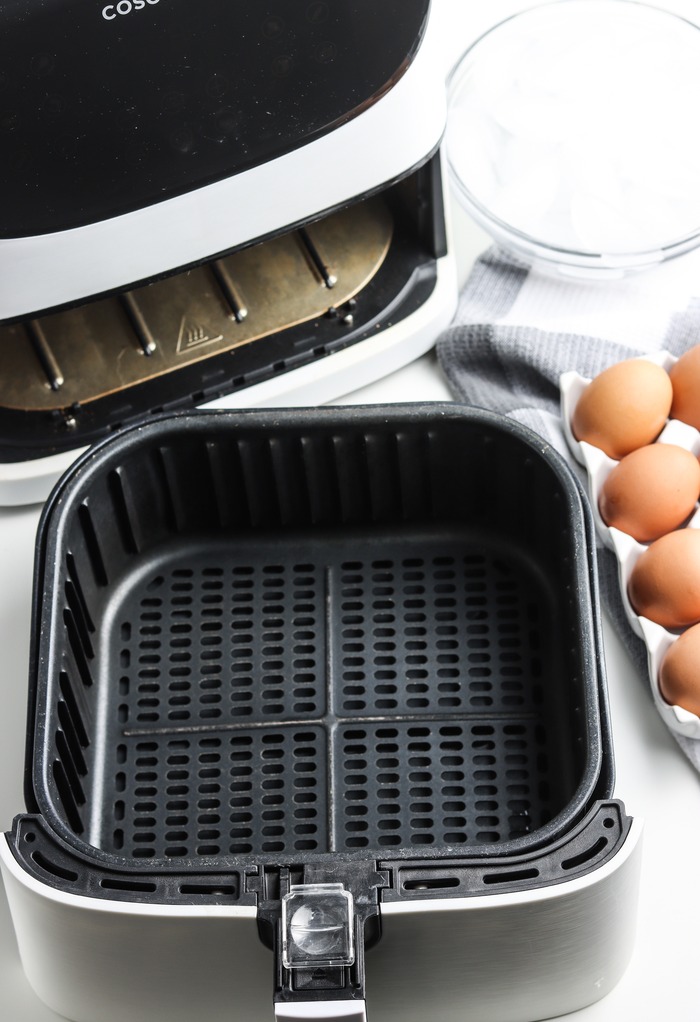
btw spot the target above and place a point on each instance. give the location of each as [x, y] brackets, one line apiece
[309, 685]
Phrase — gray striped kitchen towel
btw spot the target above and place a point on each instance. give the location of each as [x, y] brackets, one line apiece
[516, 330]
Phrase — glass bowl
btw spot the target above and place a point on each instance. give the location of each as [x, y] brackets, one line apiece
[571, 135]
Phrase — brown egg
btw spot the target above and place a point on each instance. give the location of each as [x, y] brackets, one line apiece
[651, 491]
[685, 380]
[679, 674]
[665, 581]
[624, 407]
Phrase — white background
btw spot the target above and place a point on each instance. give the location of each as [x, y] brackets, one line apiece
[653, 777]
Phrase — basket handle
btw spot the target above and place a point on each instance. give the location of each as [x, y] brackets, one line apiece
[319, 950]
[321, 1011]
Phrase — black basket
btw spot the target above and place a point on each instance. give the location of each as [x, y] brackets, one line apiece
[306, 640]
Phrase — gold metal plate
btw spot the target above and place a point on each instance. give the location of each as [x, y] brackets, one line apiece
[96, 349]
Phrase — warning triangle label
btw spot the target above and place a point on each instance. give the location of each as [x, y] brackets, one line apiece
[194, 335]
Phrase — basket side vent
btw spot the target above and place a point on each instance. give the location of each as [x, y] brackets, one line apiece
[77, 648]
[75, 694]
[123, 514]
[92, 544]
[78, 593]
[71, 744]
[258, 482]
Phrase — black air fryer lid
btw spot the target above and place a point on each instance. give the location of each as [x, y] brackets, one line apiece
[106, 108]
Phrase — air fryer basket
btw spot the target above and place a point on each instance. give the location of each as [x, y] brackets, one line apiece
[276, 648]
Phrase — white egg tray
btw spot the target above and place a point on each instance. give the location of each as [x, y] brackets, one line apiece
[598, 466]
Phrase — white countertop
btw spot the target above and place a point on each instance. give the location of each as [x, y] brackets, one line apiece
[653, 777]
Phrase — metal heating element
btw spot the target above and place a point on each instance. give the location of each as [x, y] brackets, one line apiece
[99, 348]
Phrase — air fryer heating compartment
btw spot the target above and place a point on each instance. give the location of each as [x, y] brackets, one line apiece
[299, 647]
[70, 376]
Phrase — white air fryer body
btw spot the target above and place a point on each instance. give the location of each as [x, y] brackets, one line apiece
[499, 958]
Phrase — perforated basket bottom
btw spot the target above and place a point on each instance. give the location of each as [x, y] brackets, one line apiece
[363, 692]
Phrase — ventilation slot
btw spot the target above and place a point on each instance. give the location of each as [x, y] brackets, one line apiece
[134, 886]
[384, 482]
[585, 856]
[259, 483]
[513, 876]
[167, 470]
[431, 884]
[77, 649]
[67, 799]
[61, 872]
[226, 481]
[76, 609]
[92, 545]
[121, 511]
[321, 483]
[71, 737]
[209, 890]
[287, 469]
[70, 768]
[79, 591]
[351, 479]
[414, 474]
[76, 717]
